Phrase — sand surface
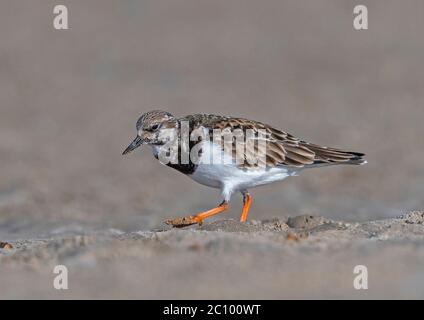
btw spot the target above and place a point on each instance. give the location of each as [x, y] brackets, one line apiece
[296, 257]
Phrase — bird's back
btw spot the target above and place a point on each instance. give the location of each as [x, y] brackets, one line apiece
[281, 148]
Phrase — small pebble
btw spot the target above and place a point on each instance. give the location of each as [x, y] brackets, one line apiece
[6, 246]
[305, 222]
[292, 237]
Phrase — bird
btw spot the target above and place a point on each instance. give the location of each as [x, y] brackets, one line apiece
[268, 156]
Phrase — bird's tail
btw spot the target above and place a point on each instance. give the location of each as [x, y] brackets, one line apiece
[329, 156]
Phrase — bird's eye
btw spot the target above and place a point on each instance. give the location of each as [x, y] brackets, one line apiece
[154, 127]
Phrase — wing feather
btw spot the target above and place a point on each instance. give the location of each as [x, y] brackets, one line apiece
[279, 148]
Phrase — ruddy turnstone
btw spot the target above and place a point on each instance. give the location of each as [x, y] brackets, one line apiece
[273, 156]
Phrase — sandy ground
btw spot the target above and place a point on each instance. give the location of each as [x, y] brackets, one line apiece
[69, 101]
[298, 257]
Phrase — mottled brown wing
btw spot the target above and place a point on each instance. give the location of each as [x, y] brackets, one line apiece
[278, 147]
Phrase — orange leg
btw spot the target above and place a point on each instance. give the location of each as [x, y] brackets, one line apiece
[247, 200]
[198, 218]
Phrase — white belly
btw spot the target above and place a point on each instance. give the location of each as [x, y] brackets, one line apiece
[217, 176]
[230, 178]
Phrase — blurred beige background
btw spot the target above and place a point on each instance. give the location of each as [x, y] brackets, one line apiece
[69, 101]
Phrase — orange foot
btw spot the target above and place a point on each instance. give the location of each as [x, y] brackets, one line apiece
[247, 200]
[198, 218]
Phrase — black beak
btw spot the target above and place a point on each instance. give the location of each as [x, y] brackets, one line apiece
[134, 145]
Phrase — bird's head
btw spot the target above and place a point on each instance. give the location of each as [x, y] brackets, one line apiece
[153, 128]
